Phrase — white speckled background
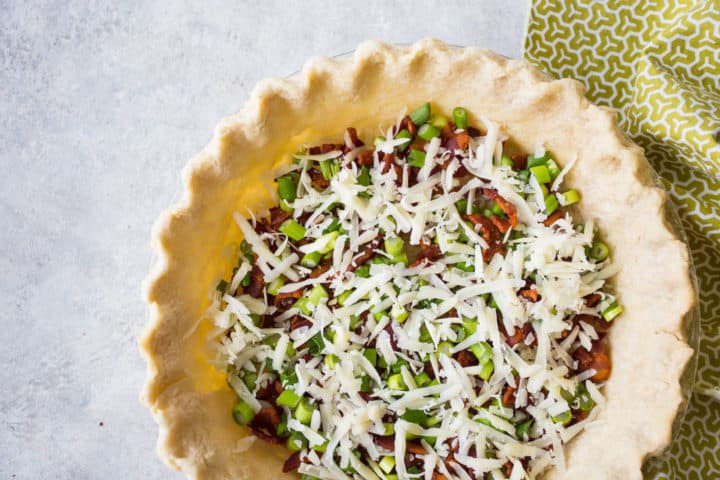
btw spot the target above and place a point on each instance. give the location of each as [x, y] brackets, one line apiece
[101, 104]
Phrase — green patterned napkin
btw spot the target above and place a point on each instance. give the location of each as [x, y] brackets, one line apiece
[658, 64]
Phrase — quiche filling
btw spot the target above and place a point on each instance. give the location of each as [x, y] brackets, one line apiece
[419, 306]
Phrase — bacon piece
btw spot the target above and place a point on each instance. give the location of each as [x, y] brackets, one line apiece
[529, 294]
[319, 270]
[318, 181]
[459, 141]
[277, 217]
[554, 217]
[429, 252]
[502, 224]
[508, 397]
[285, 300]
[592, 299]
[292, 463]
[270, 391]
[466, 358]
[415, 447]
[596, 359]
[387, 442]
[600, 325]
[325, 148]
[507, 207]
[490, 233]
[473, 132]
[387, 162]
[352, 133]
[507, 468]
[298, 322]
[519, 334]
[366, 254]
[365, 158]
[266, 421]
[257, 282]
[438, 476]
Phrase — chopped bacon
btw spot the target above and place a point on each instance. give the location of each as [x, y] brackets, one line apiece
[270, 391]
[415, 447]
[507, 207]
[579, 415]
[600, 325]
[319, 270]
[519, 161]
[366, 254]
[292, 463]
[530, 294]
[429, 252]
[490, 233]
[352, 133]
[257, 282]
[466, 358]
[325, 148]
[508, 396]
[592, 299]
[285, 300]
[596, 359]
[365, 158]
[554, 217]
[458, 141]
[387, 162]
[473, 132]
[266, 421]
[278, 216]
[318, 181]
[298, 322]
[418, 144]
[502, 224]
[387, 442]
[507, 468]
[519, 334]
[438, 476]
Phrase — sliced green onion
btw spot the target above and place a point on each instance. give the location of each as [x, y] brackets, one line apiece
[296, 442]
[326, 167]
[288, 398]
[292, 229]
[421, 114]
[371, 355]
[403, 134]
[316, 344]
[563, 418]
[322, 447]
[399, 313]
[363, 271]
[438, 121]
[379, 140]
[496, 210]
[302, 305]
[311, 259]
[317, 293]
[330, 238]
[541, 173]
[470, 326]
[610, 313]
[342, 298]
[388, 428]
[422, 379]
[465, 267]
[242, 413]
[523, 175]
[287, 187]
[553, 168]
[551, 204]
[246, 280]
[402, 258]
[282, 430]
[250, 379]
[444, 348]
[387, 464]
[287, 377]
[522, 431]
[461, 206]
[285, 207]
[460, 117]
[396, 382]
[570, 197]
[331, 360]
[428, 132]
[221, 286]
[273, 287]
[506, 161]
[487, 370]
[599, 251]
[534, 161]
[482, 351]
[415, 416]
[394, 245]
[363, 177]
[304, 411]
[416, 158]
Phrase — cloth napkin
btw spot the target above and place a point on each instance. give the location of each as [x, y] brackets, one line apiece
[657, 62]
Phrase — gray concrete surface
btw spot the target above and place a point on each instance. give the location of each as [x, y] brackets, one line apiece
[101, 104]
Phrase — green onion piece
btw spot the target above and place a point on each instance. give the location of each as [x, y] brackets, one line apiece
[541, 173]
[242, 413]
[551, 204]
[363, 177]
[523, 175]
[416, 158]
[331, 360]
[273, 287]
[496, 210]
[585, 401]
[285, 207]
[296, 442]
[365, 385]
[396, 382]
[444, 348]
[571, 196]
[534, 161]
[246, 280]
[415, 416]
[363, 271]
[428, 132]
[316, 344]
[326, 167]
[378, 140]
[506, 161]
[487, 370]
[335, 226]
[394, 245]
[425, 335]
[250, 379]
[465, 267]
[389, 428]
[399, 363]
[493, 303]
[221, 286]
[292, 229]
[422, 379]
[379, 315]
[311, 260]
[387, 464]
[302, 304]
[399, 313]
[522, 431]
[287, 187]
[330, 237]
[482, 351]
[322, 447]
[421, 114]
[371, 355]
[610, 313]
[288, 398]
[438, 121]
[563, 418]
[317, 293]
[460, 117]
[553, 168]
[287, 377]
[282, 430]
[402, 258]
[599, 251]
[342, 298]
[403, 134]
[461, 206]
[569, 397]
[304, 411]
[470, 326]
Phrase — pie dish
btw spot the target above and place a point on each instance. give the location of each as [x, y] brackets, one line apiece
[188, 395]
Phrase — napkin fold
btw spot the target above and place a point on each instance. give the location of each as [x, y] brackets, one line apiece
[657, 62]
